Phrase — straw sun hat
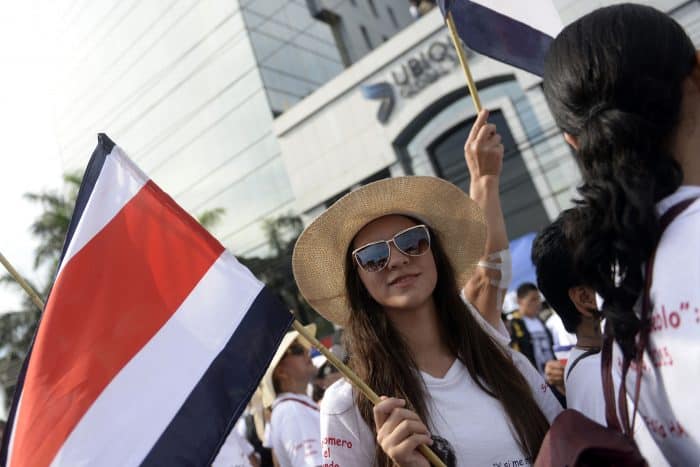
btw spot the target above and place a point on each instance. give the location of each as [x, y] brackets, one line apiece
[268, 389]
[319, 258]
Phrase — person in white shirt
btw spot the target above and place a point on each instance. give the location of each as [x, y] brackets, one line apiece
[293, 432]
[623, 83]
[388, 262]
[575, 304]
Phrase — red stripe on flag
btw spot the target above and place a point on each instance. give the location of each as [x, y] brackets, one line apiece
[110, 299]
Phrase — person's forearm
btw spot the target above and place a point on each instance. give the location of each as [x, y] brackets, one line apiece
[485, 192]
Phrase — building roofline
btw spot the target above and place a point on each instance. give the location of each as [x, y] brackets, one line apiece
[370, 64]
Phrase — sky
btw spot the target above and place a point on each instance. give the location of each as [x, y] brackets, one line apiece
[30, 156]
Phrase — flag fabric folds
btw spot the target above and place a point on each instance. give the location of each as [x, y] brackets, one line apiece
[152, 340]
[516, 32]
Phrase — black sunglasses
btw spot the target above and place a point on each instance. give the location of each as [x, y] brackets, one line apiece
[296, 350]
[373, 257]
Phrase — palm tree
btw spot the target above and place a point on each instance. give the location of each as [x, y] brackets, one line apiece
[17, 328]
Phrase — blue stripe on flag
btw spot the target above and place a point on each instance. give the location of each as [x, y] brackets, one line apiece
[499, 36]
[198, 430]
[92, 172]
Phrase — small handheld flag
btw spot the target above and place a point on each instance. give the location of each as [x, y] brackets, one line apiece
[516, 32]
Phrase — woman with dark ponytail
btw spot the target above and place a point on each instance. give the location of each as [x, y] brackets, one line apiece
[624, 85]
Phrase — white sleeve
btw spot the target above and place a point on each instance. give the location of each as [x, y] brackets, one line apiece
[297, 434]
[548, 404]
[346, 440]
[500, 334]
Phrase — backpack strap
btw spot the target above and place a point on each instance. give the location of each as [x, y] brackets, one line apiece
[587, 353]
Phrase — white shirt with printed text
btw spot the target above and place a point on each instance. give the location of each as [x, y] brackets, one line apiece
[294, 431]
[671, 369]
[474, 424]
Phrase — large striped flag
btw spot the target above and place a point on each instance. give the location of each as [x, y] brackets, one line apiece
[152, 340]
[517, 32]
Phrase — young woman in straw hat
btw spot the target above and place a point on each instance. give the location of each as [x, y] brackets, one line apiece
[391, 262]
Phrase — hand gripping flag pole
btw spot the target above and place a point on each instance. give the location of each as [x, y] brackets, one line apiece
[358, 383]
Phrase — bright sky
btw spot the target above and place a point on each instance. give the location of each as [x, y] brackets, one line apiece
[30, 158]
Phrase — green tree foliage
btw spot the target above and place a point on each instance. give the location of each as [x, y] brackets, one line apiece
[17, 327]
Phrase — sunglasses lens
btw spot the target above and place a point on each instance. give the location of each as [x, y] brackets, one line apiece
[296, 350]
[413, 242]
[373, 258]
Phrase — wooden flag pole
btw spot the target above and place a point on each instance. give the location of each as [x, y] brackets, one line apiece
[20, 280]
[463, 60]
[358, 383]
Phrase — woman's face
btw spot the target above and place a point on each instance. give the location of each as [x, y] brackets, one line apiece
[407, 282]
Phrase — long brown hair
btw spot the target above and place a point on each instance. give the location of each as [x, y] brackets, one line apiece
[382, 358]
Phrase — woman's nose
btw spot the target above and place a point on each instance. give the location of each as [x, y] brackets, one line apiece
[397, 257]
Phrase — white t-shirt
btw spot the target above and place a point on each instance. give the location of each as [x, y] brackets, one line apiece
[584, 392]
[294, 431]
[474, 423]
[541, 346]
[671, 370]
[234, 452]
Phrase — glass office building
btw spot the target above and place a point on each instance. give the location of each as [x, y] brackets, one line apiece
[190, 89]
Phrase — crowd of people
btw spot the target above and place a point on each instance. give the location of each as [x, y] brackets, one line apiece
[414, 271]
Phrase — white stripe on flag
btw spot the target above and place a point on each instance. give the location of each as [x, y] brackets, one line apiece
[539, 14]
[128, 417]
[119, 181]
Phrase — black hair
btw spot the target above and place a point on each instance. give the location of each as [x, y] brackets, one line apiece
[556, 274]
[613, 79]
[524, 289]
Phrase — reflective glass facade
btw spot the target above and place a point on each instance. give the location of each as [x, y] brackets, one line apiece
[295, 53]
[190, 89]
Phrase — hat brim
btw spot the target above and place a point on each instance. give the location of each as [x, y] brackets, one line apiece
[268, 389]
[319, 258]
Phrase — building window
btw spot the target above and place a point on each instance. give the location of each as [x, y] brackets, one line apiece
[353, 2]
[392, 16]
[373, 7]
[365, 35]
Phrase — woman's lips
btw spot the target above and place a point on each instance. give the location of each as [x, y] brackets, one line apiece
[404, 280]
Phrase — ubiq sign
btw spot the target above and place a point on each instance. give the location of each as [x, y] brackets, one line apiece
[429, 65]
[412, 76]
